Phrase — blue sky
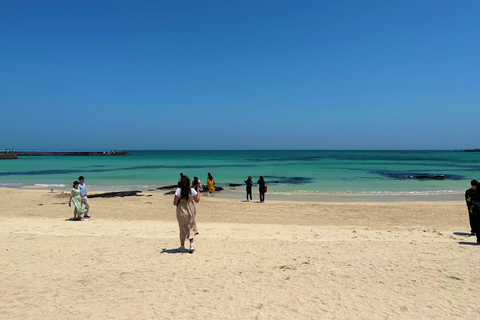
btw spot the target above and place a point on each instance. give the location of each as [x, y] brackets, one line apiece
[239, 74]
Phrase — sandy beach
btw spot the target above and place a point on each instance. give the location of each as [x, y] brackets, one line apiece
[272, 260]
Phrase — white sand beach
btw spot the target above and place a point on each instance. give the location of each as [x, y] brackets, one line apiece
[275, 260]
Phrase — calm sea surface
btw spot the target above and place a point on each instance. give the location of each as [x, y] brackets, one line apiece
[323, 172]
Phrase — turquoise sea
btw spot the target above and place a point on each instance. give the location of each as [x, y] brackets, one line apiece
[304, 172]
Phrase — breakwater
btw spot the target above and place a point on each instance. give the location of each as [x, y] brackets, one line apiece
[8, 156]
[75, 153]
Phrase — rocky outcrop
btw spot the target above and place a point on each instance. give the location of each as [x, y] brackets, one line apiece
[173, 186]
[115, 194]
[205, 189]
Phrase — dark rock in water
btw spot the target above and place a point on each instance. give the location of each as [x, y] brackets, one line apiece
[428, 176]
[115, 194]
[151, 189]
[205, 189]
[471, 150]
[173, 186]
[287, 180]
[169, 192]
[236, 184]
[419, 176]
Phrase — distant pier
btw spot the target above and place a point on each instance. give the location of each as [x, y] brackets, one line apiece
[73, 153]
[9, 155]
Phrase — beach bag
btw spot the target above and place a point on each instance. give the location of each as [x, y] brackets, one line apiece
[265, 189]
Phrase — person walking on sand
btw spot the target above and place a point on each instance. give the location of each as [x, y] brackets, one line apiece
[83, 191]
[77, 202]
[468, 198]
[261, 188]
[210, 185]
[184, 199]
[249, 183]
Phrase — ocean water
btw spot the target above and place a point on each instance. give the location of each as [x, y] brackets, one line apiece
[303, 172]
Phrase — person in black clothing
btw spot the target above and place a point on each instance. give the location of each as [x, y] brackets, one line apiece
[249, 183]
[475, 199]
[261, 188]
[468, 198]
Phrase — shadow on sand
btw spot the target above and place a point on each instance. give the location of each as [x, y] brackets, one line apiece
[462, 234]
[165, 250]
[71, 219]
[469, 243]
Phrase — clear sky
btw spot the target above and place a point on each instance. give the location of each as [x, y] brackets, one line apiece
[177, 74]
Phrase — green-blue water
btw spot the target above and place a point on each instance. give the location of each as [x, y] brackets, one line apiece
[368, 172]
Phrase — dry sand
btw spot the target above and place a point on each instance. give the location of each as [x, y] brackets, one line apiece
[275, 260]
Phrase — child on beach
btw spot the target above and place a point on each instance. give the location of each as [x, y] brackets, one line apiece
[77, 202]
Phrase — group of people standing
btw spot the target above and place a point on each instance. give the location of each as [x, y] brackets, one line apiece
[472, 197]
[262, 188]
[188, 193]
[197, 184]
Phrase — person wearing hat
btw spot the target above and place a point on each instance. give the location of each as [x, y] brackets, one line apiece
[249, 183]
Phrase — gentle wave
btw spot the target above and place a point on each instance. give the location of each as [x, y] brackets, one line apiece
[372, 193]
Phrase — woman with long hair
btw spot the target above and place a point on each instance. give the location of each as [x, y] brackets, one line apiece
[77, 202]
[210, 185]
[184, 199]
[261, 188]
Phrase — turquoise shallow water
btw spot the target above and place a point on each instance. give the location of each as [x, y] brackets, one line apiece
[323, 172]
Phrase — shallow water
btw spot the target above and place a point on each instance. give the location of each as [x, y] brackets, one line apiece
[304, 172]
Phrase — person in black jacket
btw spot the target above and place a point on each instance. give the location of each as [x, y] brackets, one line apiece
[475, 199]
[249, 183]
[468, 198]
[261, 188]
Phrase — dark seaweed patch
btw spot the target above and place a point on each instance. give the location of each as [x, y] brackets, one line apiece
[287, 180]
[400, 175]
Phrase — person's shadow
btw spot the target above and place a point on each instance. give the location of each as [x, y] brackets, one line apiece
[469, 243]
[165, 250]
[462, 234]
[71, 219]
[465, 234]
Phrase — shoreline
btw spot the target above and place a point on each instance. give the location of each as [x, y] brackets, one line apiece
[237, 194]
